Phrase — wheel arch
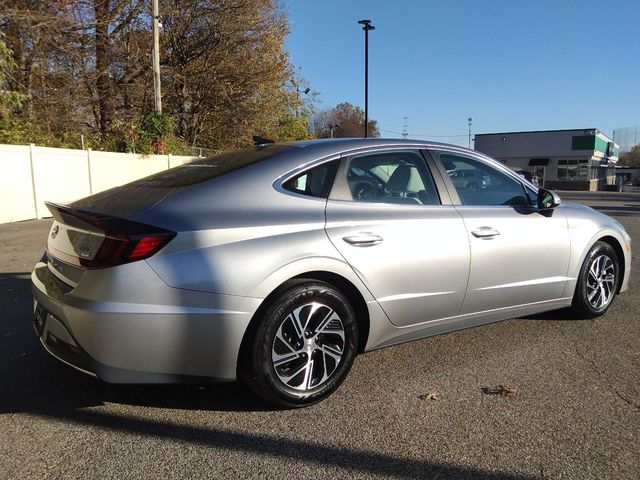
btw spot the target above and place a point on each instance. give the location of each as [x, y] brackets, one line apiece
[617, 247]
[342, 284]
[353, 294]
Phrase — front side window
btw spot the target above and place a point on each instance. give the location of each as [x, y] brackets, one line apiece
[480, 184]
[399, 177]
[315, 182]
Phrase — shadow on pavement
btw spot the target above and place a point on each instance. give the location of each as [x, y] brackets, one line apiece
[358, 461]
[559, 315]
[33, 383]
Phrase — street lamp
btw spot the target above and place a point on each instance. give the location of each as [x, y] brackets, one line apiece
[469, 120]
[305, 91]
[332, 127]
[366, 26]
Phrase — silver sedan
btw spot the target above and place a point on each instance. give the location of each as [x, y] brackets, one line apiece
[278, 264]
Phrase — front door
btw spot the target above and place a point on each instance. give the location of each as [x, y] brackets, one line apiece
[519, 255]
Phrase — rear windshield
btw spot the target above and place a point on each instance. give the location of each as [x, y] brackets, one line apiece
[204, 169]
[141, 195]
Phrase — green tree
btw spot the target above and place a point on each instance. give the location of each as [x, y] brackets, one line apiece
[10, 100]
[292, 127]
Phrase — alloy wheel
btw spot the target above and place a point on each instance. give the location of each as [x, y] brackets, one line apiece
[308, 346]
[601, 282]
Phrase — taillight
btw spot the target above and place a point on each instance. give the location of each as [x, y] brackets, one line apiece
[124, 240]
[117, 249]
[147, 246]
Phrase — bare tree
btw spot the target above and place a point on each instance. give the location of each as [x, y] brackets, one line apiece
[84, 65]
[349, 120]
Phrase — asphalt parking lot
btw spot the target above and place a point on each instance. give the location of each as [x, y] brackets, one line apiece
[416, 410]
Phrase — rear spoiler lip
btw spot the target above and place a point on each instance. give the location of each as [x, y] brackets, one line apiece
[122, 237]
[101, 222]
[56, 209]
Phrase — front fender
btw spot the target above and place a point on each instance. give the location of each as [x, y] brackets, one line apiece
[583, 238]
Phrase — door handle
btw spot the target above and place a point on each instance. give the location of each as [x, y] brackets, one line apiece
[363, 240]
[486, 233]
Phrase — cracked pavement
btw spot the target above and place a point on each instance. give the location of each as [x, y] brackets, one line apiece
[411, 411]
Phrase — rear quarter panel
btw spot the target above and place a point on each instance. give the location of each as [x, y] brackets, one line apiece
[238, 235]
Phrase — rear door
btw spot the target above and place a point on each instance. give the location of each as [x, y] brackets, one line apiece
[519, 255]
[406, 243]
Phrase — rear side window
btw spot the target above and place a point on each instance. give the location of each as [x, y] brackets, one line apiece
[315, 182]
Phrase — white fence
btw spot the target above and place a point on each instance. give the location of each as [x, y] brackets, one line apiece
[29, 175]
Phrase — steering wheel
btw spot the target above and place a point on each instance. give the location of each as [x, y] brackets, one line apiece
[364, 191]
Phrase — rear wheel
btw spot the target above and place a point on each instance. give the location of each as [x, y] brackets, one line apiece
[597, 282]
[303, 348]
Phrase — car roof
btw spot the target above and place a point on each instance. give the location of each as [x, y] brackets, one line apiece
[339, 144]
[328, 146]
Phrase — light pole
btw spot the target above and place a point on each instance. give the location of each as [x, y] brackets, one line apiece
[469, 120]
[332, 127]
[366, 26]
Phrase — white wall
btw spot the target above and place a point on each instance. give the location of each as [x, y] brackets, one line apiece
[29, 175]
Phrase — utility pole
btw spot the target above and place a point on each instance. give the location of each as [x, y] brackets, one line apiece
[469, 120]
[156, 56]
[405, 131]
[332, 127]
[366, 26]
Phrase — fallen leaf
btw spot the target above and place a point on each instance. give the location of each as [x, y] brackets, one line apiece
[503, 390]
[429, 396]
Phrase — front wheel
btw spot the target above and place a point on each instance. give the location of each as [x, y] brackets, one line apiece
[303, 347]
[597, 282]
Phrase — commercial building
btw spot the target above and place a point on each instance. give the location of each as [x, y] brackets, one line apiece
[581, 159]
[626, 175]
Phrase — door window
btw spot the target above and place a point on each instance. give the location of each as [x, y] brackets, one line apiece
[399, 177]
[477, 183]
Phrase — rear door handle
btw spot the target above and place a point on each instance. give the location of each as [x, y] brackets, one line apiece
[485, 233]
[363, 240]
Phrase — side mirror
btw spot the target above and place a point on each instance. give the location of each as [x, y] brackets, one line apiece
[547, 199]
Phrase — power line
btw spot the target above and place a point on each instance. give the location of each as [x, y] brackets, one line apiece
[424, 134]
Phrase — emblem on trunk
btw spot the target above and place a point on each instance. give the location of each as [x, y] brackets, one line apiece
[54, 232]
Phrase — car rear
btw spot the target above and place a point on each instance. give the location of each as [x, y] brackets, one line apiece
[100, 307]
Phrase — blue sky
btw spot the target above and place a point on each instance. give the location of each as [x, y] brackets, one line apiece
[511, 65]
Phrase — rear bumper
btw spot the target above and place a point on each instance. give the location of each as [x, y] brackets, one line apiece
[124, 325]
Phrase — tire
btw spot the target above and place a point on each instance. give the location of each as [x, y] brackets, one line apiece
[597, 283]
[288, 369]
